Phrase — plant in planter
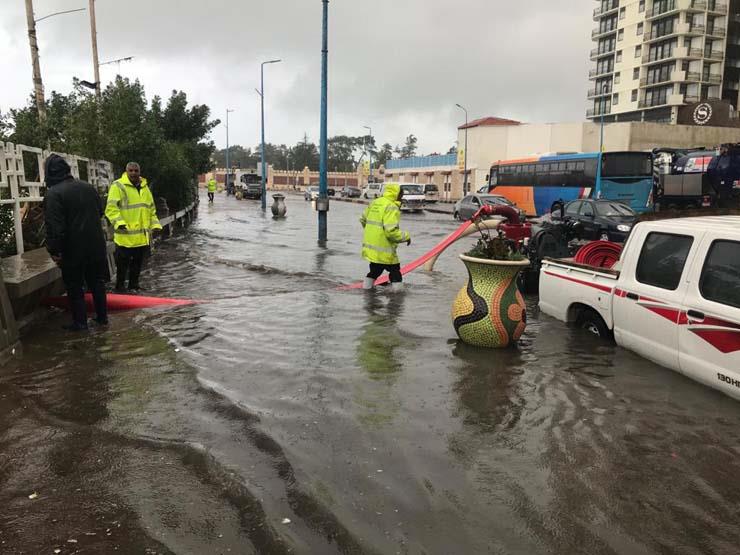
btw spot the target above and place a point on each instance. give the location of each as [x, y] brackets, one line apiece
[490, 311]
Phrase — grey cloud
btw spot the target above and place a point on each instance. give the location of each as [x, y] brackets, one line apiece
[399, 66]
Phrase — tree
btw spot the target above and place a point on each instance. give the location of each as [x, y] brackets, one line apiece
[453, 150]
[305, 154]
[342, 153]
[239, 156]
[384, 154]
[409, 148]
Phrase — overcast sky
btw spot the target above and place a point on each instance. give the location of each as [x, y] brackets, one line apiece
[396, 65]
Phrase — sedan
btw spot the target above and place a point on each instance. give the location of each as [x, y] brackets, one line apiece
[311, 193]
[466, 207]
[350, 192]
[605, 220]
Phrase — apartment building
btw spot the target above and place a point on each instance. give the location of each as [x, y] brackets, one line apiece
[653, 57]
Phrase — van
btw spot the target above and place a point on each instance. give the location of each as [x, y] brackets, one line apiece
[372, 191]
[431, 193]
[413, 196]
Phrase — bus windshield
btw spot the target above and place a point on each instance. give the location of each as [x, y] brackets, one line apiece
[412, 189]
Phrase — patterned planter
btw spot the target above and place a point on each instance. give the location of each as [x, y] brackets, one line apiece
[489, 311]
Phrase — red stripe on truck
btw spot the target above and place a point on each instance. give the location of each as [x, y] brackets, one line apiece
[603, 288]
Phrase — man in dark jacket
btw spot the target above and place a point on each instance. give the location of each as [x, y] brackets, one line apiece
[74, 238]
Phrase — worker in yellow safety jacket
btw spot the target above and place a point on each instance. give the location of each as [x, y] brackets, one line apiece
[131, 211]
[381, 221]
[211, 189]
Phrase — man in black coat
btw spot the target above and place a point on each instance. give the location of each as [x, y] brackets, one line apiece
[74, 239]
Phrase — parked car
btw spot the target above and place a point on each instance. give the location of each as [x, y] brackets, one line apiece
[372, 191]
[605, 220]
[431, 193]
[469, 205]
[349, 191]
[311, 193]
[673, 297]
[330, 191]
[413, 196]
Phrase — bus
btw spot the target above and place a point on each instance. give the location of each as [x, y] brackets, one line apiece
[534, 184]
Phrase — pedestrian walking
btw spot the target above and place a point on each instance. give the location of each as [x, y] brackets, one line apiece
[73, 215]
[212, 185]
[131, 212]
[382, 224]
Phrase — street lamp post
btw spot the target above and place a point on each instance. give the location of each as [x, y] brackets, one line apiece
[370, 129]
[323, 200]
[262, 101]
[465, 153]
[228, 166]
[602, 107]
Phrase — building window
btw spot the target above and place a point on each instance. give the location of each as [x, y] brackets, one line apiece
[635, 73]
[638, 51]
[615, 99]
[617, 75]
[619, 56]
[640, 27]
[641, 7]
[622, 13]
[620, 35]
[634, 95]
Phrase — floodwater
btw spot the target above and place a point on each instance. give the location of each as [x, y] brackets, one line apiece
[285, 416]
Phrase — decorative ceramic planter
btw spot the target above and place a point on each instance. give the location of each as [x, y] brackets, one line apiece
[278, 207]
[489, 311]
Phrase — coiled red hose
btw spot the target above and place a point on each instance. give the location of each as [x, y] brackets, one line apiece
[600, 254]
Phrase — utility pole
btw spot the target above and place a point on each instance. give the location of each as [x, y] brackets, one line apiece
[94, 34]
[228, 167]
[38, 85]
[261, 92]
[371, 152]
[465, 152]
[322, 203]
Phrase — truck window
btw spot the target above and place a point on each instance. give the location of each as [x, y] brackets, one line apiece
[662, 260]
[719, 277]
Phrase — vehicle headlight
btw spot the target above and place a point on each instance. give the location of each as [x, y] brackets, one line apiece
[623, 227]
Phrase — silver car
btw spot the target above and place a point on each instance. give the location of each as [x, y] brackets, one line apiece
[311, 193]
[466, 207]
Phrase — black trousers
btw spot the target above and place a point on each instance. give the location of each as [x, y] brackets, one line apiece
[90, 274]
[210, 197]
[376, 270]
[128, 265]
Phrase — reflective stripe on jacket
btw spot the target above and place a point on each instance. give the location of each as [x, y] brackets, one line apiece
[133, 208]
[212, 186]
[382, 221]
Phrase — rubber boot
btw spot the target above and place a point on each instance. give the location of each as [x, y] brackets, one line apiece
[368, 283]
[397, 287]
[79, 315]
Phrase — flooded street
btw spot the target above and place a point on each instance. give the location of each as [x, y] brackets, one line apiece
[285, 416]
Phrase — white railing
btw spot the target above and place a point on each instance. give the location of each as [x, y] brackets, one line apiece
[16, 190]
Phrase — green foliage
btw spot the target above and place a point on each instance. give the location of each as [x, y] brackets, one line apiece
[409, 149]
[170, 143]
[494, 248]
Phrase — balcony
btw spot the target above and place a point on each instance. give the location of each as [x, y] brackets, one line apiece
[715, 55]
[594, 73]
[658, 11]
[668, 100]
[697, 5]
[593, 93]
[713, 78]
[596, 112]
[599, 52]
[597, 33]
[657, 80]
[716, 31]
[600, 12]
[717, 8]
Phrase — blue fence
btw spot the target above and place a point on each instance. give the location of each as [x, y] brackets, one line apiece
[422, 162]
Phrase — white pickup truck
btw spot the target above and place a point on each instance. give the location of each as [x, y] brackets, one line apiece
[673, 297]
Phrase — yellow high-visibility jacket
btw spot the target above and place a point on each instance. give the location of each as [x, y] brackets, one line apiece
[382, 221]
[133, 208]
[212, 185]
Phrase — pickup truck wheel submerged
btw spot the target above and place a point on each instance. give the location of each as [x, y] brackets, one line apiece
[590, 321]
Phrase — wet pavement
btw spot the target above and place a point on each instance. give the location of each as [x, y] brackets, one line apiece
[285, 416]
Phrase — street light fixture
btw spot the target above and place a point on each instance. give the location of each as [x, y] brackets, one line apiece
[228, 166]
[370, 129]
[261, 92]
[465, 153]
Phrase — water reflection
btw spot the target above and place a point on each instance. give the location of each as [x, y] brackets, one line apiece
[377, 355]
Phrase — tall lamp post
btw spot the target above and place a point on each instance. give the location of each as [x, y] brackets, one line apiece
[465, 153]
[602, 107]
[370, 129]
[228, 166]
[322, 204]
[262, 101]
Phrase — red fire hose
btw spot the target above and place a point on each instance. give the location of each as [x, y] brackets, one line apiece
[601, 254]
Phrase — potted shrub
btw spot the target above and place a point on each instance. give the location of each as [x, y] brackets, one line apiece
[490, 311]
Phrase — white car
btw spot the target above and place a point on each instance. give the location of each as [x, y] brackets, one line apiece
[311, 193]
[673, 297]
[372, 191]
[413, 196]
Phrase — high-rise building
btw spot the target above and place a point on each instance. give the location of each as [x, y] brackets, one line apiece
[654, 56]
